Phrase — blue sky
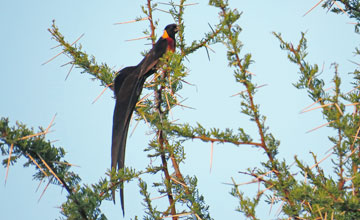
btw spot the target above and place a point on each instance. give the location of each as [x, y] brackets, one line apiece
[32, 93]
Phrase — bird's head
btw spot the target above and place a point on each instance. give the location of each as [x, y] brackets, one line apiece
[170, 31]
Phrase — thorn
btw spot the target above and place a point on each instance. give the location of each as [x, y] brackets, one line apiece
[313, 8]
[72, 66]
[280, 208]
[34, 161]
[162, 10]
[321, 160]
[143, 98]
[55, 47]
[338, 107]
[168, 104]
[39, 184]
[246, 90]
[330, 149]
[341, 8]
[177, 215]
[102, 92]
[198, 217]
[69, 164]
[51, 171]
[353, 89]
[207, 46]
[354, 62]
[66, 63]
[272, 202]
[356, 103]
[319, 126]
[211, 28]
[178, 182]
[211, 155]
[50, 125]
[43, 192]
[139, 38]
[352, 145]
[302, 111]
[321, 106]
[132, 21]
[159, 197]
[207, 52]
[8, 163]
[253, 75]
[163, 3]
[132, 132]
[327, 89]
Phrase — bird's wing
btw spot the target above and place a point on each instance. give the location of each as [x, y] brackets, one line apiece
[152, 58]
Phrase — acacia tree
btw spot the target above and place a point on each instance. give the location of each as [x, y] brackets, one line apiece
[311, 194]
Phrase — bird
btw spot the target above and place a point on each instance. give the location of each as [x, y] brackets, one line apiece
[128, 85]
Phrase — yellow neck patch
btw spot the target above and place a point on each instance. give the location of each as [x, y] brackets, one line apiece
[165, 35]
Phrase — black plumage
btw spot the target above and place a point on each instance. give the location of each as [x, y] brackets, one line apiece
[128, 86]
